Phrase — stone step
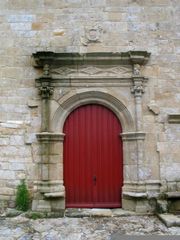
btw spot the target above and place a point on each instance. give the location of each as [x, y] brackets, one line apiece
[170, 220]
[97, 212]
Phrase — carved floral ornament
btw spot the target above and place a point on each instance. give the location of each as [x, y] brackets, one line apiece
[138, 90]
[136, 69]
[92, 35]
[45, 91]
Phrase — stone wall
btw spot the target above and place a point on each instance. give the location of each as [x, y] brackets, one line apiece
[87, 26]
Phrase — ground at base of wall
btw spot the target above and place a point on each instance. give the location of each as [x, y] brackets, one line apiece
[86, 228]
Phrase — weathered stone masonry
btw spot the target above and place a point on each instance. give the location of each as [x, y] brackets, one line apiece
[144, 95]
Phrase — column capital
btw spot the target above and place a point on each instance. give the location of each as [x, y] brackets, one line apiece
[44, 83]
[45, 91]
[138, 85]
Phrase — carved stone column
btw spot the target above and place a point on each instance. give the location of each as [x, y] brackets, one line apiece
[49, 190]
[134, 190]
[138, 90]
[45, 91]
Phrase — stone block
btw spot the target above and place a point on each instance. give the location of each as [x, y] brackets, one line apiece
[129, 204]
[141, 209]
[45, 171]
[4, 140]
[130, 172]
[16, 140]
[7, 174]
[4, 165]
[18, 166]
[11, 124]
[29, 138]
[20, 18]
[101, 212]
[7, 191]
[55, 171]
[36, 26]
[178, 186]
[33, 103]
[58, 204]
[56, 148]
[162, 206]
[5, 197]
[170, 220]
[116, 16]
[41, 206]
[59, 32]
[172, 187]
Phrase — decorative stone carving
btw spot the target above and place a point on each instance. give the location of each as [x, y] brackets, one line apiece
[45, 91]
[115, 71]
[136, 69]
[46, 70]
[92, 35]
[138, 89]
[64, 71]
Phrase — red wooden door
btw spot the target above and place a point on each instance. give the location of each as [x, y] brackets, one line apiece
[93, 173]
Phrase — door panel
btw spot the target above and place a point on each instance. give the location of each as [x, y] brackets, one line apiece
[92, 158]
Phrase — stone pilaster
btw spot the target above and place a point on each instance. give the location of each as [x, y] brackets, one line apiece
[138, 89]
[49, 190]
[45, 91]
[138, 190]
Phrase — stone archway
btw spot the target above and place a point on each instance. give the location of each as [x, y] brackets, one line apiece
[74, 99]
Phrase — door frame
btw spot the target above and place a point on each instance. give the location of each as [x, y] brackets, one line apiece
[69, 80]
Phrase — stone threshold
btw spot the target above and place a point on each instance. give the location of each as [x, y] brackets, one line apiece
[73, 213]
[99, 212]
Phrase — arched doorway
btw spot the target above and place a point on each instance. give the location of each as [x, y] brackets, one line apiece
[93, 161]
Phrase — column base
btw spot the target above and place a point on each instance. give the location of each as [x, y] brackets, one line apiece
[49, 196]
[140, 197]
[136, 204]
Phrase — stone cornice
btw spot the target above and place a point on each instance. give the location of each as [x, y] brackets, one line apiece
[105, 58]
